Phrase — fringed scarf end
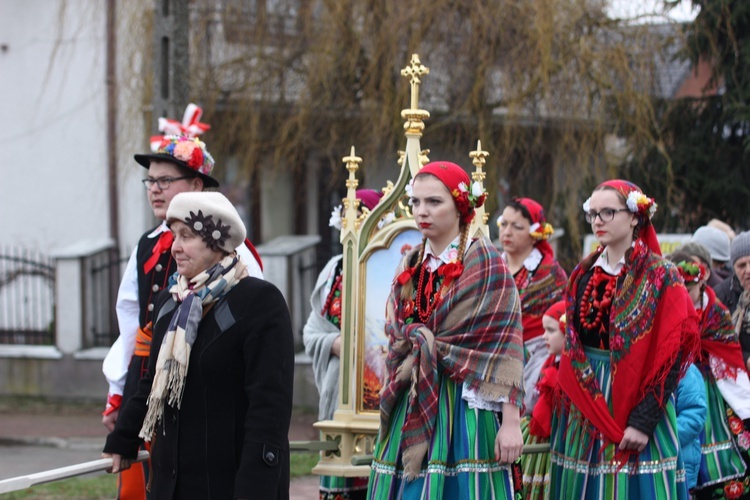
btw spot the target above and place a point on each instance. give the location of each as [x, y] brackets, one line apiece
[413, 457]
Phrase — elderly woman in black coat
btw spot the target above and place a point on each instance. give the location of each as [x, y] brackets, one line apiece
[217, 399]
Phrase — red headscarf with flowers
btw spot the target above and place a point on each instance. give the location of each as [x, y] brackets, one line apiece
[640, 205]
[540, 229]
[691, 272]
[465, 195]
[557, 312]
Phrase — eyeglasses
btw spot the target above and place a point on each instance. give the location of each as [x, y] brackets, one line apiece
[605, 214]
[163, 182]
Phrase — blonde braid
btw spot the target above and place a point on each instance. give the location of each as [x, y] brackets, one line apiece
[408, 289]
[463, 242]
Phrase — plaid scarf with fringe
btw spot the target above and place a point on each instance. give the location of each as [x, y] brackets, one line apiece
[473, 336]
[174, 355]
[652, 324]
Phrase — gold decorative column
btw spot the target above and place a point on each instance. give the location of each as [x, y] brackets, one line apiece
[479, 224]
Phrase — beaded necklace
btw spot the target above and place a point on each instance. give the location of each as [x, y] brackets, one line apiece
[425, 290]
[522, 279]
[591, 299]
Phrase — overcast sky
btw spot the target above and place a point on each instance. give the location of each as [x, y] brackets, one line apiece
[633, 8]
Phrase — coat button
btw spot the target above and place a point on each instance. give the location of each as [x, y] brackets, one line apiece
[270, 457]
[174, 418]
[150, 307]
[159, 267]
[174, 473]
[155, 288]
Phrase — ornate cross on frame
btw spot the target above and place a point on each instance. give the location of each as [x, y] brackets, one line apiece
[414, 116]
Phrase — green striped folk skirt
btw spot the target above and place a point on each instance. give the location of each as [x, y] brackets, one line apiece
[460, 460]
[535, 466]
[583, 467]
[721, 462]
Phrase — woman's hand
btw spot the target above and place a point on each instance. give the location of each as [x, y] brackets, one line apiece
[336, 347]
[109, 420]
[633, 439]
[119, 463]
[509, 442]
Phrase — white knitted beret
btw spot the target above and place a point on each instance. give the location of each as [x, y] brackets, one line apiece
[211, 216]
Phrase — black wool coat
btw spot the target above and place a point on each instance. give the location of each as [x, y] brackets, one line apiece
[229, 438]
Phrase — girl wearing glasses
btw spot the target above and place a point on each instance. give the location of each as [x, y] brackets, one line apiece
[631, 333]
[725, 436]
[540, 281]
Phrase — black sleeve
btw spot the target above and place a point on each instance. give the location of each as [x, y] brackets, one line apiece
[268, 351]
[646, 414]
[745, 344]
[124, 440]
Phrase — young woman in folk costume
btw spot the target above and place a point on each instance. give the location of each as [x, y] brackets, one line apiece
[455, 358]
[631, 333]
[725, 438]
[322, 338]
[536, 428]
[540, 280]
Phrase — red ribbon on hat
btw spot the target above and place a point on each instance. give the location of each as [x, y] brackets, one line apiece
[190, 126]
[163, 245]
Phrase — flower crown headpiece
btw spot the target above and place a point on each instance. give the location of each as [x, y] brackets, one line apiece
[191, 151]
[214, 234]
[541, 231]
[466, 200]
[691, 272]
[636, 202]
[335, 220]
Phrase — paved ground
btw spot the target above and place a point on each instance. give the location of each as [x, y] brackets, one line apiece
[34, 440]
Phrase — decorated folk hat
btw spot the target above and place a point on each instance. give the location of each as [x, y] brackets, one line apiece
[187, 152]
[211, 216]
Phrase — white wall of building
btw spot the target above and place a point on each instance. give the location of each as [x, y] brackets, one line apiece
[52, 123]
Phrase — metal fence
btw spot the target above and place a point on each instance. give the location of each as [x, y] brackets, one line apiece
[102, 272]
[27, 297]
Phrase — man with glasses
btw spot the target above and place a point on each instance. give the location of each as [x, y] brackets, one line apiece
[179, 164]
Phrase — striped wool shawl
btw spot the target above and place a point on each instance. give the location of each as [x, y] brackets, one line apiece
[473, 336]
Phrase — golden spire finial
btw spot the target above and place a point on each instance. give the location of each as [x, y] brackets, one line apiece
[351, 203]
[478, 158]
[414, 116]
[414, 71]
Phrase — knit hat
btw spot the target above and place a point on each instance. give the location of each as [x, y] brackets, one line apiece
[211, 216]
[187, 152]
[466, 196]
[715, 240]
[740, 246]
[695, 249]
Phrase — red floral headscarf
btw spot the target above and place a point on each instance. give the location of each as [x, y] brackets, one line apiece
[640, 205]
[691, 272]
[466, 196]
[540, 229]
[557, 311]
